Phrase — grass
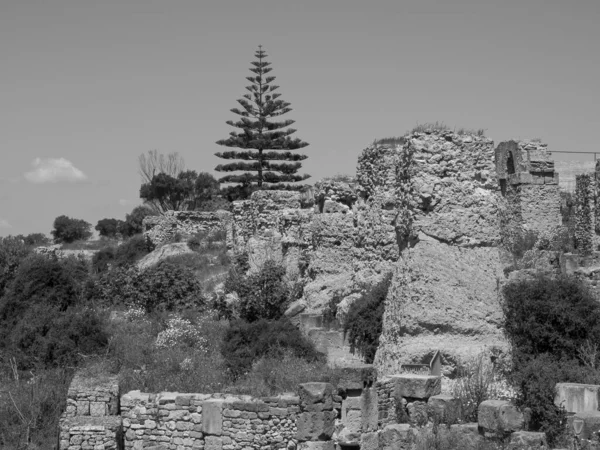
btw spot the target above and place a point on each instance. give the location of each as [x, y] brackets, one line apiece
[392, 140]
[30, 408]
[440, 126]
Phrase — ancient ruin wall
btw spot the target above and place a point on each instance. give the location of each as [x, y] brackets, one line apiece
[161, 229]
[444, 288]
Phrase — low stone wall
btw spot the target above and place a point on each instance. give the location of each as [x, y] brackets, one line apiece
[82, 433]
[91, 419]
[98, 396]
[217, 421]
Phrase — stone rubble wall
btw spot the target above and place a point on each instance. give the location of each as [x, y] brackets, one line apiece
[91, 419]
[585, 228]
[159, 230]
[217, 421]
[83, 433]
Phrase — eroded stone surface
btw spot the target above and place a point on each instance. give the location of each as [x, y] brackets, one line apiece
[499, 416]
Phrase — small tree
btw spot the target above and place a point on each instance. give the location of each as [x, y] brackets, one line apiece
[261, 139]
[133, 220]
[68, 230]
[108, 227]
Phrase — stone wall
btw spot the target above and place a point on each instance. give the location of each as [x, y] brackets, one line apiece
[215, 422]
[98, 396]
[444, 293]
[161, 229]
[91, 420]
[530, 196]
[584, 214]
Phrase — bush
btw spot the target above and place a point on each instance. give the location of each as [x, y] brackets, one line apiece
[68, 230]
[276, 375]
[263, 295]
[547, 315]
[102, 259]
[245, 343]
[133, 221]
[109, 227]
[30, 409]
[12, 251]
[165, 287]
[364, 322]
[131, 251]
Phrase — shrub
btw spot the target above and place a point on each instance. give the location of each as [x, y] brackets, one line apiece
[165, 287]
[68, 230]
[133, 220]
[131, 251]
[245, 343]
[547, 315]
[276, 375]
[102, 259]
[263, 295]
[181, 332]
[30, 409]
[182, 368]
[109, 227]
[12, 251]
[364, 322]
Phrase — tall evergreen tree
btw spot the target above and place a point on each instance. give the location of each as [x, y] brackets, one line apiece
[261, 139]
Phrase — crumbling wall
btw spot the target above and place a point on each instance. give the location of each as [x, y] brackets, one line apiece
[91, 420]
[161, 229]
[584, 214]
[530, 196]
[443, 294]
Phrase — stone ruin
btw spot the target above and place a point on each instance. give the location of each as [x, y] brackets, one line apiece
[436, 210]
[364, 411]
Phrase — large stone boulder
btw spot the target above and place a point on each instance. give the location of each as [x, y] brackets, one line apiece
[499, 417]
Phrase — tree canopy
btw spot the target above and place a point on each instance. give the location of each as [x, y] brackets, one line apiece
[266, 146]
[67, 229]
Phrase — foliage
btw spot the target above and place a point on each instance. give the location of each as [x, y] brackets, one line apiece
[34, 239]
[30, 408]
[165, 286]
[478, 380]
[259, 133]
[263, 295]
[551, 324]
[393, 140]
[12, 251]
[109, 227]
[187, 191]
[133, 221]
[182, 368]
[440, 126]
[154, 162]
[181, 332]
[41, 322]
[245, 343]
[364, 322]
[549, 315]
[67, 229]
[273, 375]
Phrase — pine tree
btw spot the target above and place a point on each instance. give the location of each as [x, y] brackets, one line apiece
[261, 139]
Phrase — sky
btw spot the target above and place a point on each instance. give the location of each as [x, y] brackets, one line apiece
[87, 86]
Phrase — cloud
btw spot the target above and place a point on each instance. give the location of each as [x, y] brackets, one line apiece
[53, 170]
[4, 224]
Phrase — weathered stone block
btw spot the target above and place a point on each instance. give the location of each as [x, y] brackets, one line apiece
[369, 410]
[586, 423]
[499, 416]
[577, 397]
[395, 437]
[444, 408]
[527, 440]
[97, 409]
[417, 413]
[311, 393]
[357, 376]
[212, 417]
[416, 386]
[315, 426]
[213, 443]
[468, 433]
[369, 441]
[317, 445]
